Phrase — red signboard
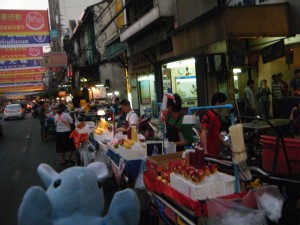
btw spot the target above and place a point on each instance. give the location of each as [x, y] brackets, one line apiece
[21, 53]
[55, 59]
[22, 78]
[24, 22]
[21, 88]
[22, 71]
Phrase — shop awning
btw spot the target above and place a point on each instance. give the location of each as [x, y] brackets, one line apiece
[232, 22]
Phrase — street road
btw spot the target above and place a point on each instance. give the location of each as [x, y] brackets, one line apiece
[21, 151]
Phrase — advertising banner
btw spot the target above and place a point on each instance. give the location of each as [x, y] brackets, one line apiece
[24, 41]
[22, 78]
[21, 53]
[55, 59]
[24, 22]
[19, 64]
[22, 71]
[22, 88]
[27, 84]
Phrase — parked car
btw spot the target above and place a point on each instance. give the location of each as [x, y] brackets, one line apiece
[13, 111]
[1, 128]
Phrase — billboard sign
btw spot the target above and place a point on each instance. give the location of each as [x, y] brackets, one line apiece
[23, 22]
[24, 41]
[55, 59]
[22, 71]
[19, 64]
[21, 53]
[21, 78]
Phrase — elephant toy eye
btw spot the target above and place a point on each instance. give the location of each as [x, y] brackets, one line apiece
[99, 184]
[57, 183]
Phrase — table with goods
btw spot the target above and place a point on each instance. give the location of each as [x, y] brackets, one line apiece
[184, 187]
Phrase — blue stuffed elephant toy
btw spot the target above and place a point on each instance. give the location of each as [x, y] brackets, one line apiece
[75, 197]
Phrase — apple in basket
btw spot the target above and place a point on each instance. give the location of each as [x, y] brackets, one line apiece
[165, 175]
[207, 171]
[213, 168]
[200, 175]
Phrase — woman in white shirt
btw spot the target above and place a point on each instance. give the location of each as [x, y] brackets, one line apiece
[63, 122]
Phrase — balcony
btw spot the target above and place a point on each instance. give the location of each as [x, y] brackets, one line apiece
[162, 9]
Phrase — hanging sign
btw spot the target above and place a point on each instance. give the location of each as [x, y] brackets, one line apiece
[19, 64]
[21, 53]
[55, 59]
[22, 78]
[29, 84]
[24, 22]
[24, 41]
[272, 52]
[22, 88]
[22, 71]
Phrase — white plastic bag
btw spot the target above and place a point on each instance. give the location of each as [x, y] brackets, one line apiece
[270, 200]
[229, 212]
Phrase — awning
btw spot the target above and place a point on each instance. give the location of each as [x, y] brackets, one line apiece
[232, 22]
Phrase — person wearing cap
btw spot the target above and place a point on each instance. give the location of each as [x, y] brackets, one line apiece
[131, 116]
[210, 133]
[178, 133]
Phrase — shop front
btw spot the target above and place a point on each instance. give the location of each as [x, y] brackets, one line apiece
[142, 85]
[180, 76]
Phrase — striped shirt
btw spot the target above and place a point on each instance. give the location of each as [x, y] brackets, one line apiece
[276, 90]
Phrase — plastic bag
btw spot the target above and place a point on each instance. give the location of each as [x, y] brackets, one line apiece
[270, 200]
[139, 182]
[229, 212]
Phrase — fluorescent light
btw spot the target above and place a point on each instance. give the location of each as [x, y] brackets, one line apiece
[237, 70]
[99, 85]
[173, 65]
[181, 63]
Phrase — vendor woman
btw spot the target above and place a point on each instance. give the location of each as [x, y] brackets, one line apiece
[178, 133]
[131, 117]
[211, 126]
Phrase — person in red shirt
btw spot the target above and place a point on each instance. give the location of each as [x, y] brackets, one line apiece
[211, 127]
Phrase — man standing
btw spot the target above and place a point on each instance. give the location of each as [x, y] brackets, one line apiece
[249, 98]
[295, 83]
[276, 94]
[263, 98]
[131, 116]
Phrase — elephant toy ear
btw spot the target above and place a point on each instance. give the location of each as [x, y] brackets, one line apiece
[100, 170]
[47, 173]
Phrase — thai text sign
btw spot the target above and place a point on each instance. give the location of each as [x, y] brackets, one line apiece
[21, 53]
[22, 78]
[19, 64]
[22, 71]
[54, 59]
[24, 22]
[28, 88]
[24, 41]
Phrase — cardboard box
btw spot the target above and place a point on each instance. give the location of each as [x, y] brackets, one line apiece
[157, 163]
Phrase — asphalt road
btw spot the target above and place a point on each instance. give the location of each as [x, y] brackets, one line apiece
[21, 151]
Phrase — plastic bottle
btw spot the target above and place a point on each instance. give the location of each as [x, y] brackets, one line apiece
[133, 133]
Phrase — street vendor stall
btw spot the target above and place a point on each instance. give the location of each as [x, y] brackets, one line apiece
[184, 193]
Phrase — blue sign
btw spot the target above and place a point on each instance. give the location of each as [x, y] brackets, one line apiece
[19, 64]
[54, 34]
[24, 41]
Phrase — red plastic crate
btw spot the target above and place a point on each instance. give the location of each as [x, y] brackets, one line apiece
[293, 151]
